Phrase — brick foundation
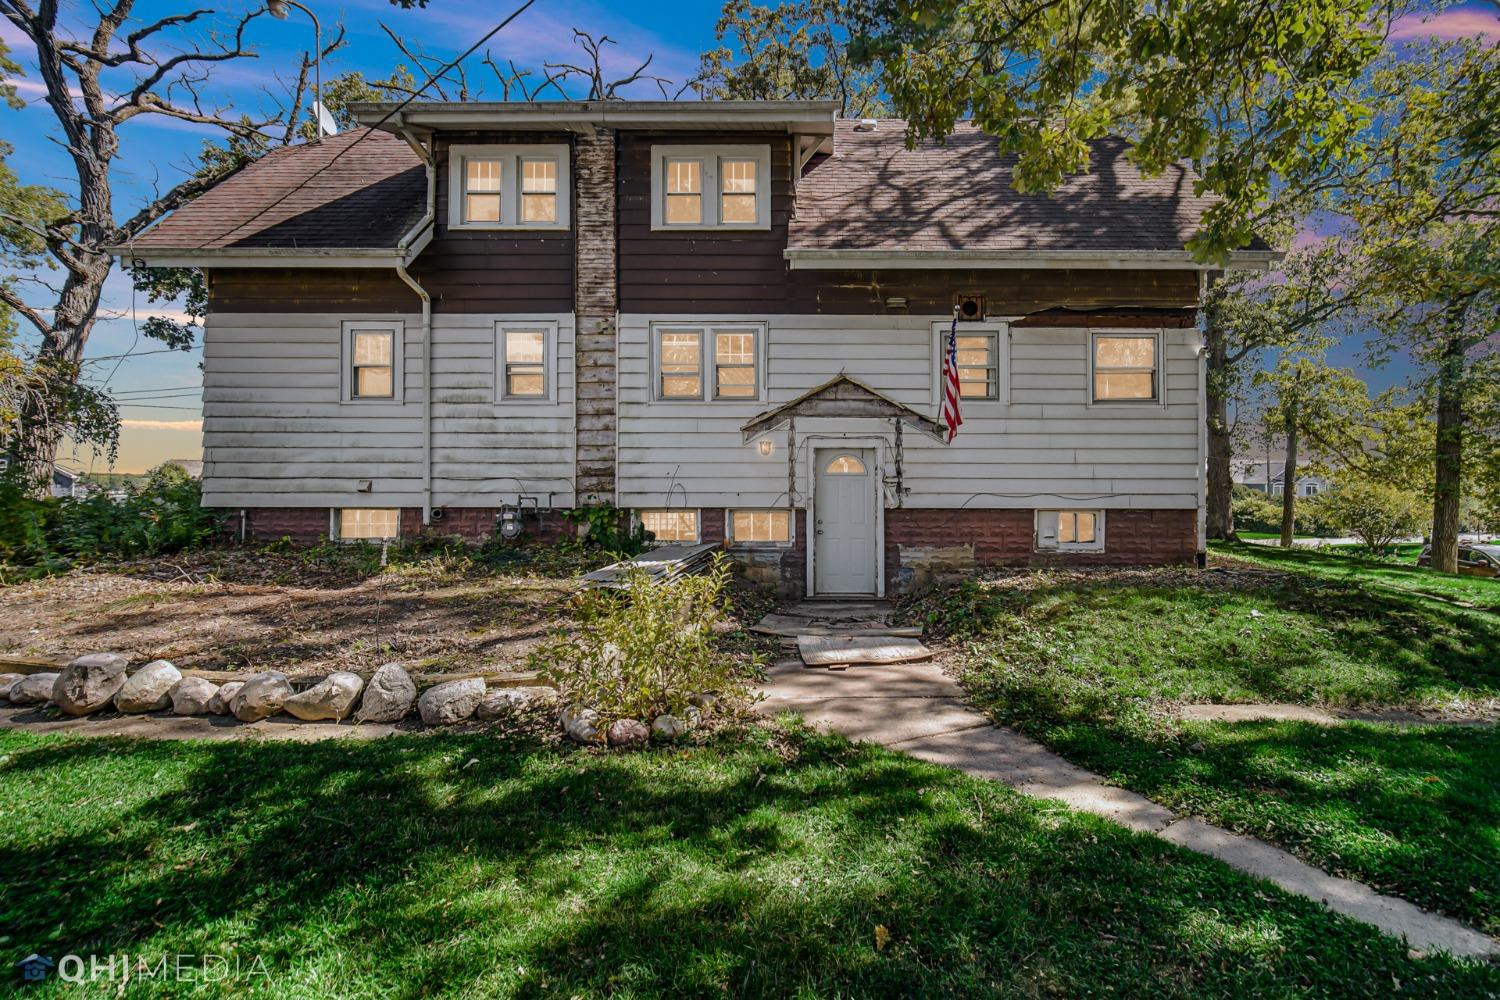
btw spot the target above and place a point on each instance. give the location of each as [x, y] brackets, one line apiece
[309, 525]
[780, 568]
[925, 545]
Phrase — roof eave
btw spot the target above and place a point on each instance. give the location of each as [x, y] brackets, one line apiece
[263, 256]
[799, 117]
[802, 258]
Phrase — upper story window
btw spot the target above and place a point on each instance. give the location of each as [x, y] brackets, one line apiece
[708, 361]
[524, 361]
[710, 187]
[1125, 367]
[372, 353]
[508, 187]
[978, 368]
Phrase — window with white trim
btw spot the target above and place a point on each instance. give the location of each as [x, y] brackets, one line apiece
[508, 187]
[367, 523]
[673, 525]
[748, 528]
[372, 362]
[1070, 530]
[523, 359]
[708, 361]
[1125, 367]
[710, 187]
[978, 365]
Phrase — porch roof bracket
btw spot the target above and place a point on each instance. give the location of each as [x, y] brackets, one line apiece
[841, 396]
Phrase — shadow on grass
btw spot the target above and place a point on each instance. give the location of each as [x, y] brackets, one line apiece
[1482, 592]
[468, 865]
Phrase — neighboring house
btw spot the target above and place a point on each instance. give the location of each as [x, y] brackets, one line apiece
[1270, 477]
[726, 317]
[65, 482]
[192, 466]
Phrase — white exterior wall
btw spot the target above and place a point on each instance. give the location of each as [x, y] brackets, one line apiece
[276, 433]
[1047, 445]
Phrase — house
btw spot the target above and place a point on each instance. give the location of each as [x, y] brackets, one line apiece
[725, 317]
[65, 482]
[1268, 475]
[192, 466]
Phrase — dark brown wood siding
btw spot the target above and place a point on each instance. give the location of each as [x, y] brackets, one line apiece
[309, 290]
[705, 272]
[1007, 292]
[476, 271]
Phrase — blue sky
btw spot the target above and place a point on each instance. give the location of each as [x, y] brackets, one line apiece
[159, 389]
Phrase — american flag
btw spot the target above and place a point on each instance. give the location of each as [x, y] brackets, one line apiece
[949, 414]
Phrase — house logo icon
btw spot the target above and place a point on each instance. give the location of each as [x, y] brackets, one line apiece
[34, 967]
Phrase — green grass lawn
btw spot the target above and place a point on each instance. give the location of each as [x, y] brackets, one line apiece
[760, 865]
[1093, 664]
[1405, 575]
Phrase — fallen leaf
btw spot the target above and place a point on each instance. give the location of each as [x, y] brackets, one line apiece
[882, 937]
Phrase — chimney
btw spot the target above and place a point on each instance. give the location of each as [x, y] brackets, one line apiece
[596, 305]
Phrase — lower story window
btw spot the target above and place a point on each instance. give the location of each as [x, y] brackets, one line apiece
[671, 525]
[1070, 530]
[760, 527]
[368, 522]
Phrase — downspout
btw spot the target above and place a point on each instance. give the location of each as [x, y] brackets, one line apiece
[422, 229]
[1201, 556]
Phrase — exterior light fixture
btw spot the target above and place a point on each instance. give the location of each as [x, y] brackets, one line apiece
[766, 447]
[281, 10]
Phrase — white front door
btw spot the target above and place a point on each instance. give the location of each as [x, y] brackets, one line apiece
[844, 522]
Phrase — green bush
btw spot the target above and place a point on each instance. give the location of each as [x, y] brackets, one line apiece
[1375, 513]
[644, 650]
[46, 535]
[1254, 511]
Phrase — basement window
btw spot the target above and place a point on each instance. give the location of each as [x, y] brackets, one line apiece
[367, 523]
[736, 177]
[749, 528]
[508, 187]
[1070, 530]
[671, 525]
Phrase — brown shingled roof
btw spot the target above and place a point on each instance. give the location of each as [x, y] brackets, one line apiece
[873, 193]
[302, 197]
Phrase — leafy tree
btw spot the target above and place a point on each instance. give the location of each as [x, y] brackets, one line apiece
[1376, 513]
[1261, 97]
[796, 50]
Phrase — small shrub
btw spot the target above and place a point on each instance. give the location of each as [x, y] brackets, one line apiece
[607, 527]
[1375, 513]
[642, 651]
[1255, 511]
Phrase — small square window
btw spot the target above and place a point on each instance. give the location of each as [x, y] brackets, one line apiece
[684, 205]
[1065, 530]
[373, 375]
[671, 525]
[368, 523]
[525, 375]
[482, 189]
[680, 359]
[1125, 367]
[760, 527]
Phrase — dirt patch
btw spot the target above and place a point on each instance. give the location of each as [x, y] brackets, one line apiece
[299, 612]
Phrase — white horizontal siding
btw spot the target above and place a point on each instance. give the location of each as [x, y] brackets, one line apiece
[276, 432]
[1046, 445]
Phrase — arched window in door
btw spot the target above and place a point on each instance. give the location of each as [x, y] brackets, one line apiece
[845, 465]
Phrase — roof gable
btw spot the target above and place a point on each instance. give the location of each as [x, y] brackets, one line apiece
[840, 396]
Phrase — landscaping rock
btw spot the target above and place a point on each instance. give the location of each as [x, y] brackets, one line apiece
[668, 727]
[331, 698]
[193, 696]
[628, 733]
[6, 682]
[89, 683]
[261, 697]
[703, 701]
[34, 689]
[450, 702]
[219, 703]
[388, 696]
[506, 702]
[581, 725]
[149, 689]
[692, 717]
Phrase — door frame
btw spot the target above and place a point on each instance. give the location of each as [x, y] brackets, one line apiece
[837, 442]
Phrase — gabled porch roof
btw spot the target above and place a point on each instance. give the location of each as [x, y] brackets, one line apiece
[841, 396]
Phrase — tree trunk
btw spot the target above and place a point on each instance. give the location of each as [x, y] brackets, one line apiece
[1450, 450]
[1289, 481]
[1219, 517]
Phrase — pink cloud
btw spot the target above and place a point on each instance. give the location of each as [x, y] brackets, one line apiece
[1457, 22]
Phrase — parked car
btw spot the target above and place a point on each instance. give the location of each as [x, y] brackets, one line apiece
[1473, 560]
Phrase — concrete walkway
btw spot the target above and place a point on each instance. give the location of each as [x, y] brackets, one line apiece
[919, 710]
